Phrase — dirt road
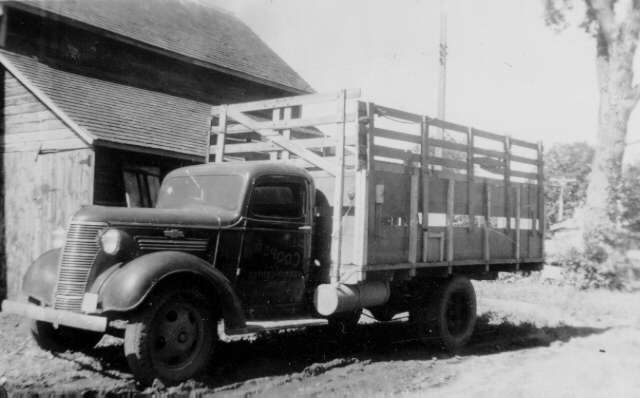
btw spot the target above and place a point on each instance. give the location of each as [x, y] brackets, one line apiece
[532, 340]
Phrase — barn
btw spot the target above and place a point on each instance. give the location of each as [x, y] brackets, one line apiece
[100, 99]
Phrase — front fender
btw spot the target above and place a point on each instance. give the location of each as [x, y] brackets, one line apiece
[39, 281]
[127, 287]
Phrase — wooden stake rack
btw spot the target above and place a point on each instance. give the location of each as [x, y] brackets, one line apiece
[484, 184]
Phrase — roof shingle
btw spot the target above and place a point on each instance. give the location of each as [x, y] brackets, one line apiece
[117, 113]
[186, 28]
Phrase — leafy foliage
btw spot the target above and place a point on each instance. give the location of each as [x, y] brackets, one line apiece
[630, 197]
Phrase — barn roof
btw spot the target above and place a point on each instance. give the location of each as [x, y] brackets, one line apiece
[106, 113]
[184, 29]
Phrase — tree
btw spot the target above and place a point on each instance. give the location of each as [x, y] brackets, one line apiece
[615, 26]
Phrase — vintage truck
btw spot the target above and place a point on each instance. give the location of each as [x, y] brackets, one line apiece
[309, 210]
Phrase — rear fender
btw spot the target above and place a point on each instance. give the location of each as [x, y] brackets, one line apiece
[127, 287]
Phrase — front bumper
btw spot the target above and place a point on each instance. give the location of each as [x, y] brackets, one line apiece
[57, 317]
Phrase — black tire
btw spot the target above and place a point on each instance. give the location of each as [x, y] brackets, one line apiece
[172, 337]
[63, 338]
[448, 316]
[344, 323]
[382, 313]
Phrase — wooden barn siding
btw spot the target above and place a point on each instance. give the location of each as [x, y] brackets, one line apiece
[41, 191]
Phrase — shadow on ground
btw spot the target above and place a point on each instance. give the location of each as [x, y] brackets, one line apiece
[314, 350]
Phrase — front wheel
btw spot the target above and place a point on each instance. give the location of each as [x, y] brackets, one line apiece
[172, 338]
[448, 316]
[63, 338]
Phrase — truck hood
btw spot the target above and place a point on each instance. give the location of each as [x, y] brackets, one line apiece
[205, 216]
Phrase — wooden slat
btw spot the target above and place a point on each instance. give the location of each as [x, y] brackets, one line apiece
[289, 145]
[291, 101]
[507, 181]
[275, 116]
[424, 169]
[522, 159]
[414, 198]
[449, 125]
[222, 135]
[451, 163]
[415, 139]
[338, 189]
[287, 132]
[261, 146]
[523, 174]
[404, 156]
[486, 227]
[398, 114]
[450, 202]
[488, 135]
[397, 135]
[522, 143]
[470, 178]
[261, 124]
[393, 153]
[488, 152]
[517, 209]
[541, 194]
[448, 144]
[370, 129]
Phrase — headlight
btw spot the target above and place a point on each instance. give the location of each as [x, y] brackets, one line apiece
[111, 241]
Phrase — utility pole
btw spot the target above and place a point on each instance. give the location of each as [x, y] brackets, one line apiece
[442, 73]
[561, 182]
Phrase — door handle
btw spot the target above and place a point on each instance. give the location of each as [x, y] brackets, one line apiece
[305, 228]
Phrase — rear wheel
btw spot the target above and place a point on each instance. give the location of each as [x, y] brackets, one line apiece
[344, 323]
[448, 316]
[172, 338]
[383, 313]
[63, 338]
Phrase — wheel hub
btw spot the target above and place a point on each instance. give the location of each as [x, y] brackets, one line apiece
[178, 335]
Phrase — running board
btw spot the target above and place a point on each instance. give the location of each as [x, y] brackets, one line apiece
[255, 328]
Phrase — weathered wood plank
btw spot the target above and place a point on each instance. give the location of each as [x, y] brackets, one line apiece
[291, 101]
[338, 192]
[260, 146]
[517, 209]
[450, 201]
[486, 251]
[507, 181]
[39, 136]
[221, 135]
[307, 121]
[414, 199]
[46, 191]
[470, 178]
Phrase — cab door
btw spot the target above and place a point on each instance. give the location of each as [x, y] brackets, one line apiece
[276, 247]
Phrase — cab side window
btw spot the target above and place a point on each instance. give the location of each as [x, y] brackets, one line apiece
[273, 198]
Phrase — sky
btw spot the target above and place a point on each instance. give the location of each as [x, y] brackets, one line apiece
[506, 71]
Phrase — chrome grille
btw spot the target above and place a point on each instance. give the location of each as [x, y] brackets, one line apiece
[78, 255]
[150, 243]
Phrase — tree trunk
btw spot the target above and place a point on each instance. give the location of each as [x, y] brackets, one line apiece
[613, 116]
[618, 97]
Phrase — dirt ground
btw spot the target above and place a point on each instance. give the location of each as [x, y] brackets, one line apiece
[532, 339]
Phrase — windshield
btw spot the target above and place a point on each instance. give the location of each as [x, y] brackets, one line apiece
[201, 190]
